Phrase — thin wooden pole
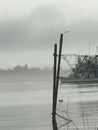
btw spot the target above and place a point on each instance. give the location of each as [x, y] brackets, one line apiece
[54, 77]
[54, 124]
[59, 63]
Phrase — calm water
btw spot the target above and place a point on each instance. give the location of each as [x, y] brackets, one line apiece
[27, 106]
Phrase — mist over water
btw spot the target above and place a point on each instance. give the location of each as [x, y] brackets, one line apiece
[34, 93]
[28, 105]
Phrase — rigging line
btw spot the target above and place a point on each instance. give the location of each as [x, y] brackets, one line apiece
[87, 123]
[74, 113]
[63, 118]
[64, 125]
[64, 128]
[62, 113]
[67, 104]
[71, 120]
[83, 121]
[68, 115]
[71, 125]
[67, 109]
[67, 126]
[75, 125]
[83, 115]
[59, 123]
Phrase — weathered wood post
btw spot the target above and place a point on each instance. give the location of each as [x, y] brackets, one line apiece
[59, 63]
[54, 124]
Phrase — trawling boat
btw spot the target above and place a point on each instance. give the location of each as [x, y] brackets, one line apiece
[84, 71]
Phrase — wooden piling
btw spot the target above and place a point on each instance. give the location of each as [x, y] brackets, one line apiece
[54, 124]
[58, 69]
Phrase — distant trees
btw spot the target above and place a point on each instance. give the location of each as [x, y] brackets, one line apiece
[25, 68]
[25, 73]
[19, 68]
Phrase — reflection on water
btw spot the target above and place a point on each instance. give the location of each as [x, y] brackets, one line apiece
[80, 102]
[78, 93]
[89, 111]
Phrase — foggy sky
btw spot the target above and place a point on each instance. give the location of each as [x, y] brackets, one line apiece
[28, 29]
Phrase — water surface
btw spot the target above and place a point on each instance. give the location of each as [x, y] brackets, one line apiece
[27, 105]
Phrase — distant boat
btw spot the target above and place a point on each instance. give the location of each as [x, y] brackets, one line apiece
[84, 71]
[79, 81]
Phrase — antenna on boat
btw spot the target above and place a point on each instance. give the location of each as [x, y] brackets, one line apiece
[78, 51]
[97, 49]
[89, 47]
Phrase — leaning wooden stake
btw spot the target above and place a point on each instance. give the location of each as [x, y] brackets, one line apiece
[54, 124]
[59, 63]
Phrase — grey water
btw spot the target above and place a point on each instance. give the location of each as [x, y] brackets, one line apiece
[28, 105]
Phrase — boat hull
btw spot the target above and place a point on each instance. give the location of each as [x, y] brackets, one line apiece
[79, 81]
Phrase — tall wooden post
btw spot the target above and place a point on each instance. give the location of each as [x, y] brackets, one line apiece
[54, 124]
[59, 63]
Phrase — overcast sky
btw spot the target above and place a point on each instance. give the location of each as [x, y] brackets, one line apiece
[29, 28]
